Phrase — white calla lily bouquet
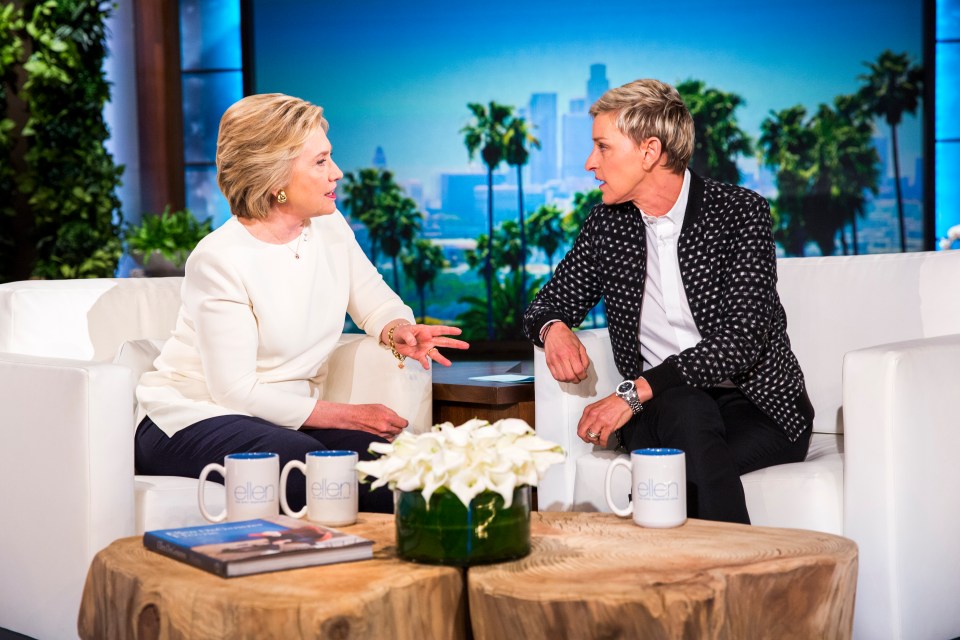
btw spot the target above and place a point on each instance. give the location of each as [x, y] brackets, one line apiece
[467, 460]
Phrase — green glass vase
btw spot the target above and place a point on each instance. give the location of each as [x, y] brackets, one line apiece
[449, 533]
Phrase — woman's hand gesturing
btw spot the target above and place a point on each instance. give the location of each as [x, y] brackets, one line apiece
[423, 342]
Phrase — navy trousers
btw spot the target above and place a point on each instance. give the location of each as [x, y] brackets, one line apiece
[190, 450]
[723, 436]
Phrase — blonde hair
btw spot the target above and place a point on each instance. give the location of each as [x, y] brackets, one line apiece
[259, 138]
[652, 109]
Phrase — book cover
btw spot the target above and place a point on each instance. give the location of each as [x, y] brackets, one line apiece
[230, 549]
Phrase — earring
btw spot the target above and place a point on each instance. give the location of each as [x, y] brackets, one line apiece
[281, 196]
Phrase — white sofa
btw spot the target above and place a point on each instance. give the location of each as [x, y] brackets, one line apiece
[67, 483]
[878, 338]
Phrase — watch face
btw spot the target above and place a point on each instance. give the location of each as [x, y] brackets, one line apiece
[625, 386]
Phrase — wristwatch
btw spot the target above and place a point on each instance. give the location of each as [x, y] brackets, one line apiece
[628, 391]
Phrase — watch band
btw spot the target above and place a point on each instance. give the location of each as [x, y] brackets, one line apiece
[630, 396]
[635, 405]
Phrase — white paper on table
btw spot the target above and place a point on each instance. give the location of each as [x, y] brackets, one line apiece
[504, 377]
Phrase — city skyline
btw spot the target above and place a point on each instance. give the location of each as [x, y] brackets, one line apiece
[395, 81]
[399, 78]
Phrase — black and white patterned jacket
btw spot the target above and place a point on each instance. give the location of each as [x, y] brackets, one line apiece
[729, 270]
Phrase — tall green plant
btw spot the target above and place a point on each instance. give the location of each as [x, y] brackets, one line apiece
[846, 170]
[893, 87]
[787, 143]
[860, 161]
[583, 204]
[826, 167]
[505, 246]
[422, 263]
[718, 137]
[516, 141]
[485, 133]
[505, 293]
[11, 51]
[546, 231]
[362, 189]
[66, 218]
[398, 223]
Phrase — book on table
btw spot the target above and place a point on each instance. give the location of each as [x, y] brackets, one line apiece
[230, 549]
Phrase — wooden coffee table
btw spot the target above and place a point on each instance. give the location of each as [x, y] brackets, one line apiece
[593, 575]
[457, 398]
[590, 575]
[135, 593]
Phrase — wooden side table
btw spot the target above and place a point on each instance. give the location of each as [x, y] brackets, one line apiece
[457, 398]
[593, 575]
[135, 593]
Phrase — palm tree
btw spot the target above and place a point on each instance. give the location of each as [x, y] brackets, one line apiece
[787, 143]
[362, 190]
[504, 304]
[485, 134]
[422, 263]
[506, 254]
[398, 225]
[545, 230]
[822, 216]
[515, 142]
[505, 247]
[583, 204]
[893, 87]
[849, 167]
[718, 138]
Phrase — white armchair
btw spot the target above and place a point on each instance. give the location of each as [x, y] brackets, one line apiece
[71, 352]
[878, 338]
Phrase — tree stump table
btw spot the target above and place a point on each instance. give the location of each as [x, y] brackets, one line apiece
[593, 575]
[132, 592]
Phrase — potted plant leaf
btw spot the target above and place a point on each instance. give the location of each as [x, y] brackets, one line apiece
[161, 243]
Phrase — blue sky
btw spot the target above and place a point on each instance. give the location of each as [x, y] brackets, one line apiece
[399, 75]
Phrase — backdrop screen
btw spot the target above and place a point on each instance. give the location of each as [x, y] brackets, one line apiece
[785, 85]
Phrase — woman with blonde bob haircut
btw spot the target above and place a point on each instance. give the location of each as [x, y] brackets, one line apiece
[259, 137]
[262, 307]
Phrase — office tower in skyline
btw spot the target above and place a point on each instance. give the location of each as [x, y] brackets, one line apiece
[379, 158]
[577, 139]
[598, 84]
[543, 117]
[578, 125]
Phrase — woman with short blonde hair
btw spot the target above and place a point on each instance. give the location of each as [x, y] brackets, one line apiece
[259, 136]
[262, 307]
[652, 109]
[687, 269]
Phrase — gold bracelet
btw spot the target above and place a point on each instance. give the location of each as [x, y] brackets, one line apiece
[393, 345]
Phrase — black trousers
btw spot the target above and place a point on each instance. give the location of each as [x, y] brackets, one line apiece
[723, 436]
[190, 450]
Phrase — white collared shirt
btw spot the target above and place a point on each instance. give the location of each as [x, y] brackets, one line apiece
[666, 322]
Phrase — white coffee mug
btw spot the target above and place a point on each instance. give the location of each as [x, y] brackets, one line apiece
[252, 485]
[658, 487]
[331, 487]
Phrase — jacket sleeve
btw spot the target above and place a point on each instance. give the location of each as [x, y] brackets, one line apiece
[575, 288]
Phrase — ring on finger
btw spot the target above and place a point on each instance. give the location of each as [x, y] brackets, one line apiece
[592, 435]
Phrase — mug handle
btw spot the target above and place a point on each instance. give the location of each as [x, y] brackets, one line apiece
[213, 466]
[283, 488]
[624, 513]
